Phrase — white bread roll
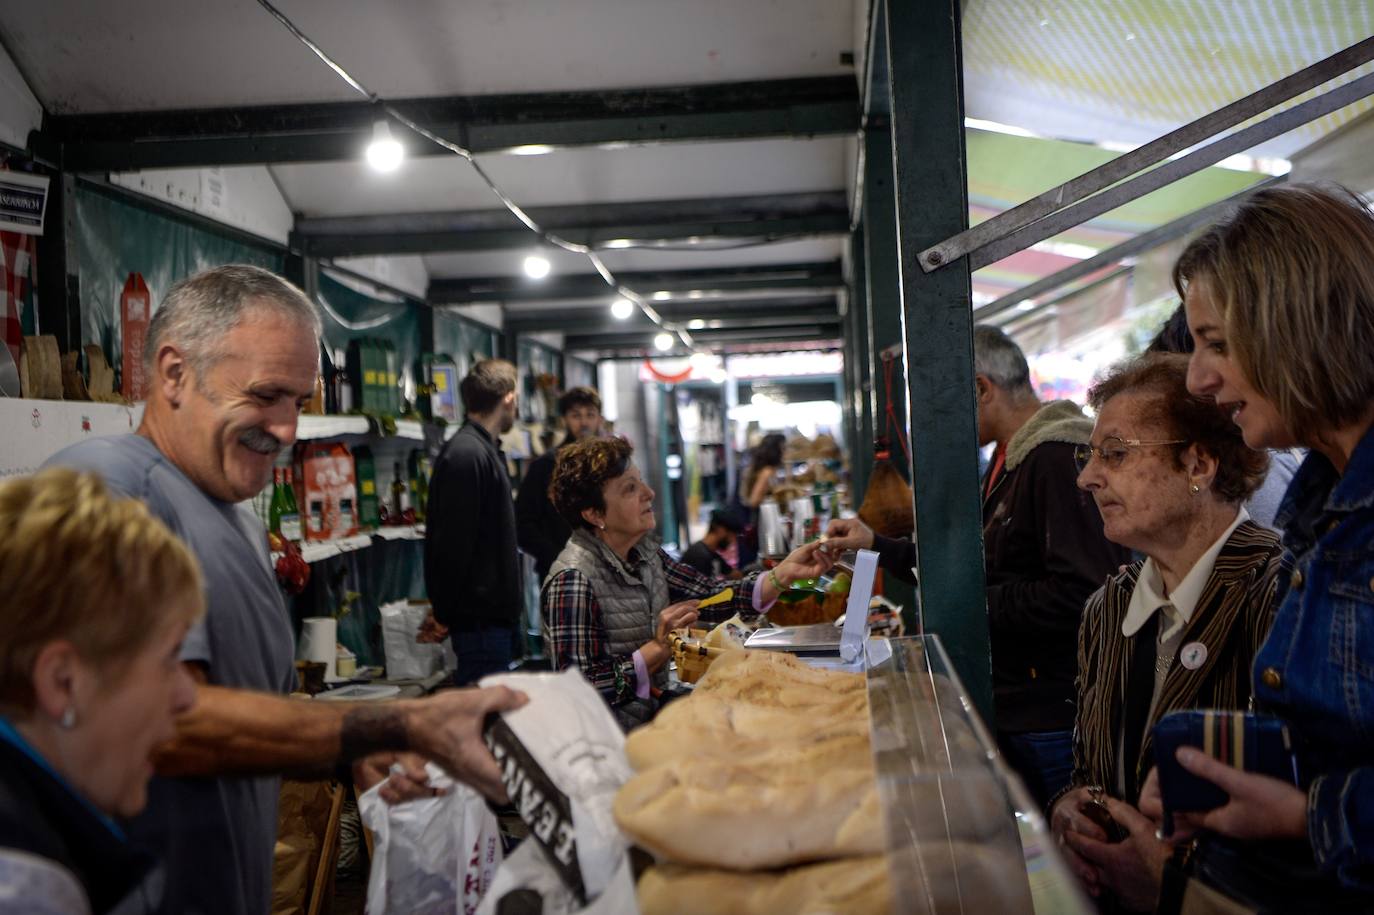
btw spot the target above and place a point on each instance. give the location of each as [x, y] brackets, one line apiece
[856, 886]
[783, 806]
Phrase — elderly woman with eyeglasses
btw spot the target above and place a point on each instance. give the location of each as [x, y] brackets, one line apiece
[1169, 473]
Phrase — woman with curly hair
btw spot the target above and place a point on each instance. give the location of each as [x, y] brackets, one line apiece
[613, 596]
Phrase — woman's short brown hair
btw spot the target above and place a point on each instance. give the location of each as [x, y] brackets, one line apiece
[1291, 275]
[81, 565]
[1162, 378]
[583, 468]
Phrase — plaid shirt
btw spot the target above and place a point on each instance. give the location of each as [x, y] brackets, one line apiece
[576, 634]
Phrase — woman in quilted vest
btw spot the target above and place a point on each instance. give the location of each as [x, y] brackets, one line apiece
[1177, 630]
[613, 596]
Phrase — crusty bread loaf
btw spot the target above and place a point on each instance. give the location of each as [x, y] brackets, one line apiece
[709, 724]
[856, 886]
[776, 668]
[783, 806]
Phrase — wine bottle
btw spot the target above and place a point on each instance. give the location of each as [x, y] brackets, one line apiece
[398, 491]
[278, 507]
[291, 516]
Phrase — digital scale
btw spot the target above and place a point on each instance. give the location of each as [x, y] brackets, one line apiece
[824, 640]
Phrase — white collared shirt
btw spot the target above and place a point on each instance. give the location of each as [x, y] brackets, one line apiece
[1148, 595]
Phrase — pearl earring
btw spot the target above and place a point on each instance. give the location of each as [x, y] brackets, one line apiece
[68, 719]
[603, 527]
[1196, 489]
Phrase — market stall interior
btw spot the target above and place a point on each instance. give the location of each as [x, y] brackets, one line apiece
[747, 226]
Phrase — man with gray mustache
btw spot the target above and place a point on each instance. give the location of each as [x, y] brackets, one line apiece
[232, 356]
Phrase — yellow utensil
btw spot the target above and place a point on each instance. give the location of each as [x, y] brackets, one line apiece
[727, 595]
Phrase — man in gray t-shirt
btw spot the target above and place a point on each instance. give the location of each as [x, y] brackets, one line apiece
[231, 356]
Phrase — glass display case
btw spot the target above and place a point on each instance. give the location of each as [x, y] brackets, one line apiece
[963, 834]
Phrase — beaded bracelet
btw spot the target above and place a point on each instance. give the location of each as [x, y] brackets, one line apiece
[773, 577]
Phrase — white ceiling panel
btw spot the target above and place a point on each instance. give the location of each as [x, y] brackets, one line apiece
[90, 56]
[570, 176]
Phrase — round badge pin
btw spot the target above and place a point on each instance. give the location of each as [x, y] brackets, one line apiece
[1193, 655]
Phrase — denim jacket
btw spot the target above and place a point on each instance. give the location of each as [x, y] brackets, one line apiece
[1317, 667]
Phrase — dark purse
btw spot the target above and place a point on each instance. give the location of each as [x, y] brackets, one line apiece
[1253, 743]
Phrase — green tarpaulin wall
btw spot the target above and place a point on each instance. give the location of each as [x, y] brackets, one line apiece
[116, 237]
[349, 313]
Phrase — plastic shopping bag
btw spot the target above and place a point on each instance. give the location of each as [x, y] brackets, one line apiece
[407, 659]
[433, 856]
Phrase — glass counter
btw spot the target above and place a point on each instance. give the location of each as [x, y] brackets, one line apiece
[963, 834]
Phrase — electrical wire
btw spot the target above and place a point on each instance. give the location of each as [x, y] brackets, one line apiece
[515, 209]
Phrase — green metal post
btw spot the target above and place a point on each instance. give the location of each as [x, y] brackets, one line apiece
[931, 183]
[861, 393]
[884, 315]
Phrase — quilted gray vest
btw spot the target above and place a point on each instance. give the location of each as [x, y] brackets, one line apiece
[630, 595]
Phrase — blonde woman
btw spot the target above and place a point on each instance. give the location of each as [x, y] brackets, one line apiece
[1280, 301]
[98, 597]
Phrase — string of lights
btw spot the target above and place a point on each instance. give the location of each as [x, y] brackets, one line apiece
[515, 209]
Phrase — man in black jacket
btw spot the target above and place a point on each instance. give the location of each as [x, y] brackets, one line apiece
[472, 569]
[541, 530]
[1044, 554]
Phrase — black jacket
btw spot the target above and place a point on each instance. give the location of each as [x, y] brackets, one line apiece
[1044, 555]
[540, 528]
[472, 566]
[40, 816]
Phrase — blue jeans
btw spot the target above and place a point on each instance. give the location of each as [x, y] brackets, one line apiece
[1043, 759]
[482, 651]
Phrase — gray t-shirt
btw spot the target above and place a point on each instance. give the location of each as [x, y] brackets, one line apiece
[215, 836]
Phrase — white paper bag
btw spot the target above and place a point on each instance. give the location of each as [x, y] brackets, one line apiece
[562, 759]
[432, 856]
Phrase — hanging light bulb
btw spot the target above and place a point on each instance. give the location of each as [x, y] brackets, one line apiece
[536, 267]
[385, 152]
[622, 309]
[663, 342]
[717, 375]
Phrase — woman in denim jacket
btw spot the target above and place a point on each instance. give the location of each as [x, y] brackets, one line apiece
[1280, 302]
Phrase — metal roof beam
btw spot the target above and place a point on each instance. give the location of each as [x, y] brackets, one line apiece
[612, 225]
[586, 325]
[783, 278]
[809, 106]
[1139, 244]
[641, 341]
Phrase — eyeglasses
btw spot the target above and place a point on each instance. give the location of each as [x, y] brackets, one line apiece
[1113, 451]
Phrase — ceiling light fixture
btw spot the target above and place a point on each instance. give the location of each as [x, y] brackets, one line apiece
[662, 295]
[385, 152]
[622, 309]
[536, 267]
[531, 149]
[663, 342]
[696, 324]
[718, 376]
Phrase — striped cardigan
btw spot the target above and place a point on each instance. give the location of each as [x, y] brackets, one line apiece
[1231, 619]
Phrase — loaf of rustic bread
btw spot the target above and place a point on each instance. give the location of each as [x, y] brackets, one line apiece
[782, 806]
[856, 886]
[709, 724]
[735, 672]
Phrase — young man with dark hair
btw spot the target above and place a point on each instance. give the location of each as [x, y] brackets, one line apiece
[472, 569]
[542, 532]
[705, 555]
